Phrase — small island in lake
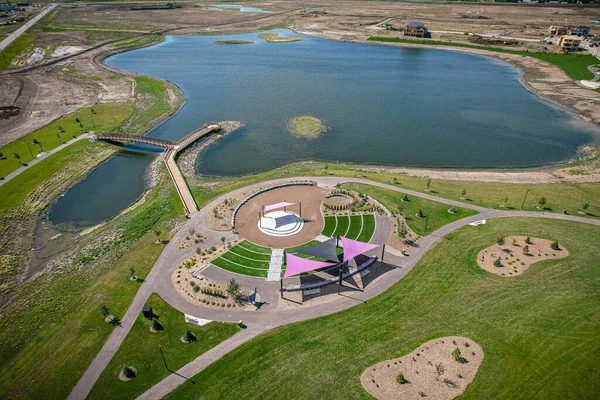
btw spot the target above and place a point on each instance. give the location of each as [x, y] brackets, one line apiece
[306, 126]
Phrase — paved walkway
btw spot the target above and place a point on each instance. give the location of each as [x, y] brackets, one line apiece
[269, 316]
[274, 273]
[43, 156]
[15, 35]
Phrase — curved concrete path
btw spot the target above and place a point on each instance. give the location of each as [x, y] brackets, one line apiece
[268, 317]
[43, 156]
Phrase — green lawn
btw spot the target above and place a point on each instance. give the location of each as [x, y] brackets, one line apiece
[140, 350]
[358, 227]
[436, 214]
[330, 224]
[343, 223]
[239, 268]
[107, 118]
[574, 65]
[21, 44]
[539, 331]
[368, 228]
[355, 227]
[245, 258]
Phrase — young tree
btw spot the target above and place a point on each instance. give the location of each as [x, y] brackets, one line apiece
[505, 199]
[526, 250]
[463, 192]
[17, 156]
[233, 290]
[498, 263]
[405, 198]
[60, 129]
[2, 156]
[586, 205]
[542, 202]
[528, 240]
[453, 210]
[105, 311]
[92, 110]
[420, 213]
[223, 240]
[131, 272]
[77, 120]
[35, 141]
[428, 183]
[500, 241]
[555, 245]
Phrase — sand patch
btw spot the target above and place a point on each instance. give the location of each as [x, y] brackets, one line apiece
[435, 370]
[515, 255]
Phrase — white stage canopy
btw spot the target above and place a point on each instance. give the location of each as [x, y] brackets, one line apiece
[277, 205]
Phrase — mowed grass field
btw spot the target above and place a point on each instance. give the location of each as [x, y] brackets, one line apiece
[140, 350]
[356, 227]
[245, 258]
[435, 214]
[107, 117]
[539, 331]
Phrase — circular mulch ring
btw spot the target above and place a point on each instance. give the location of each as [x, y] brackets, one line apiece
[310, 197]
[126, 379]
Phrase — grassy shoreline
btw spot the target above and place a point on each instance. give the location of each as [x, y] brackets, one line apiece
[574, 65]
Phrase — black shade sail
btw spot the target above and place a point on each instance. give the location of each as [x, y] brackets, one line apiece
[325, 250]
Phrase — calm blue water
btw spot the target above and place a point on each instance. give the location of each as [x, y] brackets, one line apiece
[382, 105]
[241, 8]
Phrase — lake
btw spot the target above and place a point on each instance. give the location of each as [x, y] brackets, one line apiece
[381, 104]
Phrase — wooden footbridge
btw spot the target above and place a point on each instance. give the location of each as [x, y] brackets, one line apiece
[171, 151]
[126, 138]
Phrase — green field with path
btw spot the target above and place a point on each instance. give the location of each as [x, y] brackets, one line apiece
[538, 331]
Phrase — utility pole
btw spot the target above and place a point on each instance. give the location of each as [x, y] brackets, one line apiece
[163, 357]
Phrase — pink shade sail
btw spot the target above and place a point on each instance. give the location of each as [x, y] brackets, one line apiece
[352, 248]
[296, 265]
[277, 205]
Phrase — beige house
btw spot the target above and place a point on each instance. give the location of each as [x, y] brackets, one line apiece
[569, 42]
[557, 30]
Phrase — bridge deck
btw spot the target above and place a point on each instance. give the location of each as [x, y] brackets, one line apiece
[172, 149]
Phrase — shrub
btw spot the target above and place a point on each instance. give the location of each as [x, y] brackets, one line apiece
[105, 311]
[128, 372]
[555, 245]
[401, 379]
[498, 263]
[189, 337]
[528, 240]
[526, 250]
[456, 354]
[196, 288]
